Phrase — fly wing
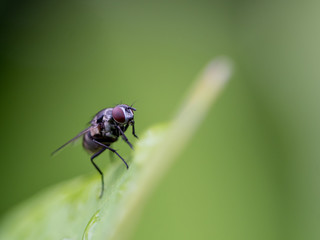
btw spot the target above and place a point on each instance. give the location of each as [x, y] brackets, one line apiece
[71, 140]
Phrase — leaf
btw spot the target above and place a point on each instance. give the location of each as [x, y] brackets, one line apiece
[73, 210]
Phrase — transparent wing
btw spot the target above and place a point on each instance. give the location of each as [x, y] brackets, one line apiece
[71, 140]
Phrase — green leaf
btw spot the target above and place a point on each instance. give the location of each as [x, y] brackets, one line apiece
[73, 210]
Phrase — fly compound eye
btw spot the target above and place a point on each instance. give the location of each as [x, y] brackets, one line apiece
[118, 115]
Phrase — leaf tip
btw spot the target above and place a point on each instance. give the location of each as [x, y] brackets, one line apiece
[218, 71]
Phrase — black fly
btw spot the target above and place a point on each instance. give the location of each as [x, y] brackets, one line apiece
[105, 128]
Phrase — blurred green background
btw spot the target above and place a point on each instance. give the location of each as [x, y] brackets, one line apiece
[252, 169]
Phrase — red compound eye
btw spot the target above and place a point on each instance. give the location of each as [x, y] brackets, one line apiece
[118, 115]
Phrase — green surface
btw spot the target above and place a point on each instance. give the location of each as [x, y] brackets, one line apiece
[251, 170]
[73, 211]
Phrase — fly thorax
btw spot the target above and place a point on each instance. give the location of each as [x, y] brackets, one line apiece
[110, 130]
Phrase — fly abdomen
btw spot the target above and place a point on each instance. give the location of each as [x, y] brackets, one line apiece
[93, 147]
[89, 145]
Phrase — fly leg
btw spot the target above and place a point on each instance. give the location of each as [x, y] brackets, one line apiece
[96, 166]
[124, 137]
[133, 129]
[112, 150]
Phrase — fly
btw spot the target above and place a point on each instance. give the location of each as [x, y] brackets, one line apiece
[105, 128]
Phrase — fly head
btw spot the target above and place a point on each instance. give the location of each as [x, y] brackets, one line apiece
[123, 114]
